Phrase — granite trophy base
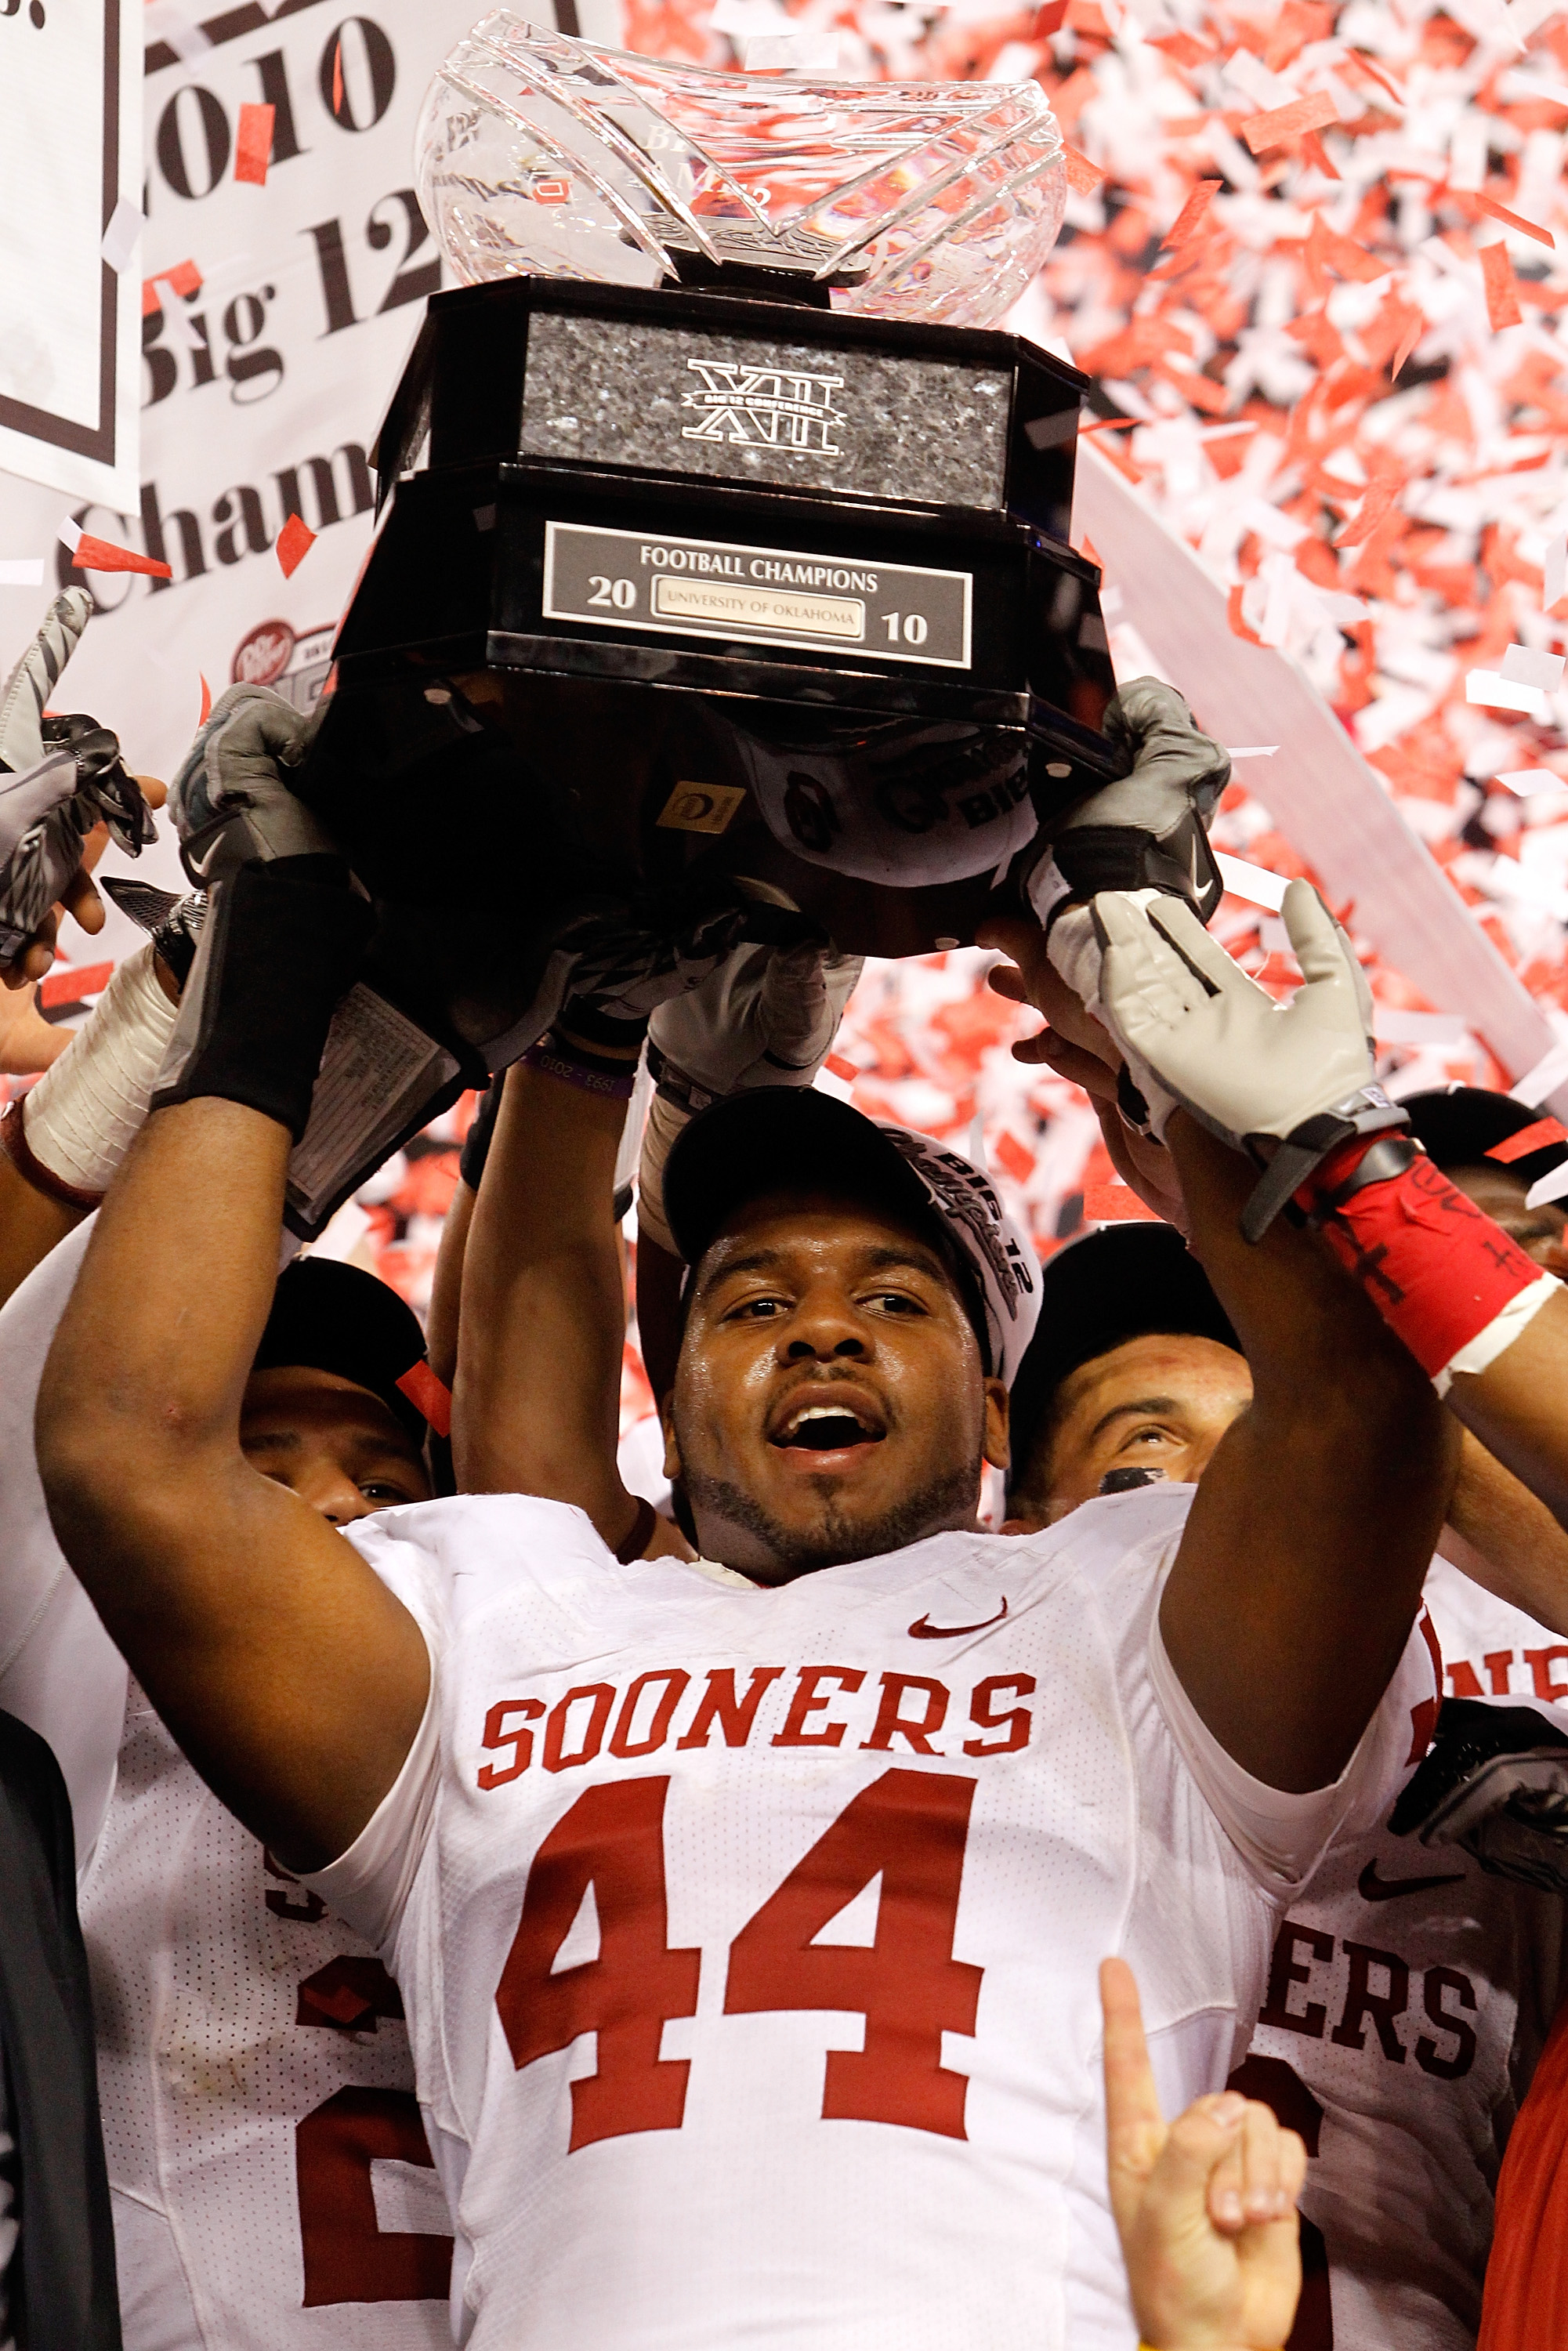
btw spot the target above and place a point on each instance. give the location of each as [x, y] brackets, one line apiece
[711, 618]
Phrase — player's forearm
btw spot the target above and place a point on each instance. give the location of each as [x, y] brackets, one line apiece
[1518, 1406]
[142, 1392]
[536, 1403]
[1302, 1562]
[30, 1227]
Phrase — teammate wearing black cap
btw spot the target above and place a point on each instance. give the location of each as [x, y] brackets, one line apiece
[242, 2191]
[1497, 1150]
[1132, 1376]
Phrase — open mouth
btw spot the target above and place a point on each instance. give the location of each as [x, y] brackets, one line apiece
[825, 1429]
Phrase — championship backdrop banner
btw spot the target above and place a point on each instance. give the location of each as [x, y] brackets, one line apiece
[70, 171]
[274, 312]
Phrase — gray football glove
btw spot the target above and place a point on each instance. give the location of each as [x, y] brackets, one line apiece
[1495, 1780]
[231, 800]
[765, 1017]
[58, 778]
[1285, 1083]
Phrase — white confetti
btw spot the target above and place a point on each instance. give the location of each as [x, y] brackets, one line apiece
[1527, 782]
[1556, 570]
[1253, 883]
[165, 22]
[122, 237]
[1495, 692]
[69, 534]
[1521, 667]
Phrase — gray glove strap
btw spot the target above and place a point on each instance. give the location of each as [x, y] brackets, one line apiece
[1306, 1147]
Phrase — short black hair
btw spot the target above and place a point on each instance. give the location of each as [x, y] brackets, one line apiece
[1125, 1282]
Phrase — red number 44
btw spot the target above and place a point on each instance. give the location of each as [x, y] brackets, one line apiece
[908, 1828]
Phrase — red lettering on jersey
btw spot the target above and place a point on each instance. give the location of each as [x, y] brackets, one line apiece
[1541, 1662]
[348, 1994]
[521, 1742]
[309, 1909]
[718, 1703]
[891, 1721]
[612, 1839]
[1284, 1972]
[1462, 1682]
[601, 1697]
[983, 1715]
[1497, 1663]
[1424, 1715]
[620, 1740]
[910, 1827]
[1364, 2006]
[808, 1701]
[1434, 1984]
[348, 2258]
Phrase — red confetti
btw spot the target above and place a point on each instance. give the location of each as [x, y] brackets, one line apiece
[1193, 213]
[1298, 21]
[206, 701]
[1081, 174]
[1115, 1204]
[182, 279]
[842, 1069]
[253, 144]
[1281, 124]
[1049, 20]
[73, 983]
[1512, 220]
[1502, 292]
[337, 80]
[102, 555]
[295, 541]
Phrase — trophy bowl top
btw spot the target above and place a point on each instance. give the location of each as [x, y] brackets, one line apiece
[542, 156]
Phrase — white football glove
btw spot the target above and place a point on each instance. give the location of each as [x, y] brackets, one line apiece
[231, 800]
[1198, 1034]
[765, 1017]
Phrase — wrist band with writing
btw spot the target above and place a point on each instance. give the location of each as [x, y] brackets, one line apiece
[1448, 1281]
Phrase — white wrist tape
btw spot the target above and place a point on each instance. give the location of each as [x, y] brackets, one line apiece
[80, 1118]
[665, 1120]
[1479, 1353]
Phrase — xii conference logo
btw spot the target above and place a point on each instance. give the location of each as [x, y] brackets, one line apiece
[771, 407]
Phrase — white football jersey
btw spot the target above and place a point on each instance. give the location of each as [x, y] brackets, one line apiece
[1410, 1997]
[272, 2184]
[749, 1937]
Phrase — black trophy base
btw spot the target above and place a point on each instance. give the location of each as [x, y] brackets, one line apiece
[614, 717]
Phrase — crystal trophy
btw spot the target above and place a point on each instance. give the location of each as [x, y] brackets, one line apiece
[726, 591]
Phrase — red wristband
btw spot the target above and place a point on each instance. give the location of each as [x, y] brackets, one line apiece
[1436, 1269]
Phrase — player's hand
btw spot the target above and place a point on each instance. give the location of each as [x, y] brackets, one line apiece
[1206, 2208]
[62, 781]
[1215, 1042]
[232, 801]
[765, 1017]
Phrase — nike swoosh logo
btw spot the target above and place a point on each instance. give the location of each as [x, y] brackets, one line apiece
[922, 1629]
[1373, 1889]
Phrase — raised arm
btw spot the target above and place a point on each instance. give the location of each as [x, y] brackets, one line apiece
[292, 1678]
[1300, 1571]
[543, 1323]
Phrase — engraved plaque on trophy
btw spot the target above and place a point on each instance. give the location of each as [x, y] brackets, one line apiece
[726, 588]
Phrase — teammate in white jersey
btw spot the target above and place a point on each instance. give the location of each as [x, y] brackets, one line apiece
[271, 2182]
[747, 1920]
[1409, 1999]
